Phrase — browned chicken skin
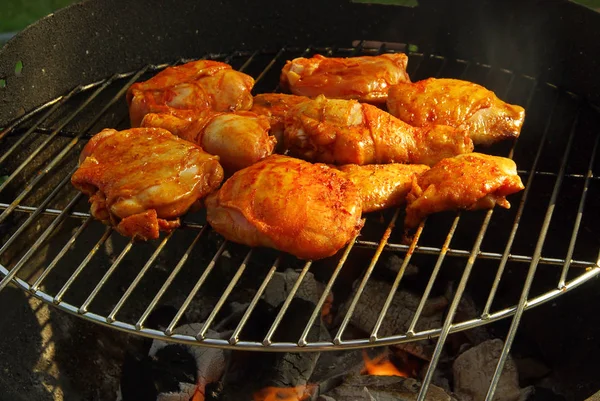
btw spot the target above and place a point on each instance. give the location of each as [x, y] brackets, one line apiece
[239, 139]
[308, 210]
[472, 181]
[202, 84]
[366, 78]
[382, 186]
[141, 180]
[348, 132]
[275, 106]
[459, 104]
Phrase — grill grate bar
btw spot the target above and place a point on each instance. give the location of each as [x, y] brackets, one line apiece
[60, 255]
[567, 175]
[37, 243]
[318, 308]
[482, 255]
[563, 275]
[384, 239]
[238, 274]
[27, 116]
[394, 288]
[247, 62]
[453, 306]
[59, 296]
[60, 101]
[519, 214]
[533, 267]
[111, 316]
[84, 307]
[235, 336]
[169, 280]
[34, 215]
[46, 130]
[192, 294]
[48, 212]
[43, 145]
[434, 273]
[270, 65]
[267, 340]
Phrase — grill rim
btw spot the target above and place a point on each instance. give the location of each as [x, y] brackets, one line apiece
[592, 270]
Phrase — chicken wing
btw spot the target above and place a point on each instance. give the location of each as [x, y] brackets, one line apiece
[203, 84]
[141, 180]
[239, 139]
[382, 186]
[460, 104]
[365, 78]
[348, 132]
[472, 181]
[308, 210]
[275, 106]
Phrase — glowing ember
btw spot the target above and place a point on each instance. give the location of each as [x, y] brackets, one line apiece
[298, 393]
[198, 396]
[380, 366]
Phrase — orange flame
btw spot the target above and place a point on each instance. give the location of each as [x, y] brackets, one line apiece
[380, 366]
[298, 393]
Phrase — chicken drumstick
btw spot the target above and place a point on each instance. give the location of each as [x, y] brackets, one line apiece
[348, 132]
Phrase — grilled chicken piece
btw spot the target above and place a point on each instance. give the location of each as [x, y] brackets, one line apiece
[348, 132]
[473, 181]
[239, 139]
[308, 210]
[142, 179]
[382, 186]
[460, 104]
[275, 106]
[366, 78]
[203, 84]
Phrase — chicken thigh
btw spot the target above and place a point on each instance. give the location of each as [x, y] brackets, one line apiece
[457, 103]
[348, 132]
[202, 84]
[142, 179]
[472, 181]
[308, 210]
[365, 78]
[382, 186]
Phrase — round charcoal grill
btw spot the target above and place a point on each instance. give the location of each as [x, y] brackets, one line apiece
[507, 260]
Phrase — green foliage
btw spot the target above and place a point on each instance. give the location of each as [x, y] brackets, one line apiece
[17, 14]
[589, 3]
[18, 67]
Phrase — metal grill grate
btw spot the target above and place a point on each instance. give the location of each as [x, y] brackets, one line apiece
[52, 248]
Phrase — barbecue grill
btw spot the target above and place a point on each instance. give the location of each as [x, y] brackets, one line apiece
[61, 88]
